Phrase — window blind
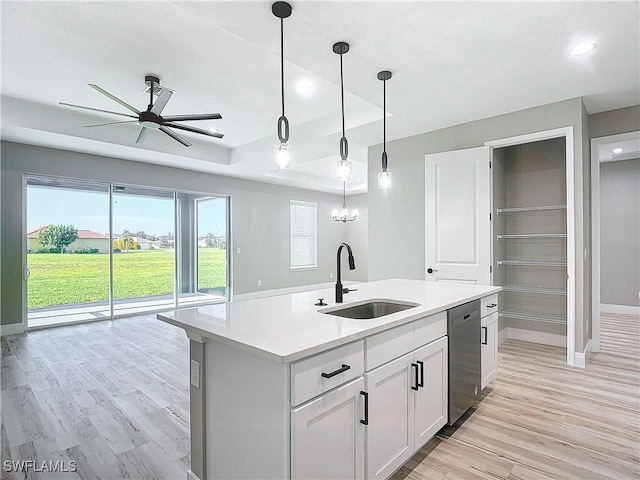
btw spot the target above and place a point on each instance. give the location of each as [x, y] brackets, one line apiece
[303, 242]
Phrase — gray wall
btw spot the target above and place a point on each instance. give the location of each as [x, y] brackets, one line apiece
[612, 122]
[259, 218]
[620, 232]
[396, 218]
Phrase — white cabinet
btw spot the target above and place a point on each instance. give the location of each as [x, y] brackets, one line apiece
[389, 435]
[431, 402]
[407, 406]
[489, 351]
[327, 435]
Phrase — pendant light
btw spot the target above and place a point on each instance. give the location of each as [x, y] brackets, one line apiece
[344, 164]
[384, 177]
[344, 215]
[282, 154]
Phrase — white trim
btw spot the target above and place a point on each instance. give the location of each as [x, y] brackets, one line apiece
[595, 233]
[623, 309]
[191, 475]
[503, 335]
[536, 337]
[11, 329]
[285, 291]
[567, 132]
[582, 357]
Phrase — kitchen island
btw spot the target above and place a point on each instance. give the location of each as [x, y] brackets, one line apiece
[283, 388]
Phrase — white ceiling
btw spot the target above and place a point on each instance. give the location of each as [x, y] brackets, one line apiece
[452, 62]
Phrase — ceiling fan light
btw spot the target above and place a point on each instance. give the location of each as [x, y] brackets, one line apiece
[384, 180]
[283, 156]
[344, 168]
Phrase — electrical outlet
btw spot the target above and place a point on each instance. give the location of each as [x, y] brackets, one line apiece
[195, 374]
[259, 283]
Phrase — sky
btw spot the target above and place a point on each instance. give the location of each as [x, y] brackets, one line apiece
[90, 211]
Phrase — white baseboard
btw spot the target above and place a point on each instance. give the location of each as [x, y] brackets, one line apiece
[191, 475]
[11, 329]
[503, 335]
[624, 309]
[286, 291]
[536, 337]
[580, 358]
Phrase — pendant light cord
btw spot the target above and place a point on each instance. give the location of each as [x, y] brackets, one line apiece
[282, 61]
[342, 95]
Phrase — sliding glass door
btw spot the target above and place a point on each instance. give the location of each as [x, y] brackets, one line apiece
[144, 249]
[98, 250]
[67, 251]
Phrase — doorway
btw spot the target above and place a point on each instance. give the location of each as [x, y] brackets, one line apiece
[615, 198]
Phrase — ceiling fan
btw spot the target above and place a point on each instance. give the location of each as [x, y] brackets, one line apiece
[151, 118]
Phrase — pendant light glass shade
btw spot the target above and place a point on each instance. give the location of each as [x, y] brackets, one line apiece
[282, 157]
[384, 177]
[344, 169]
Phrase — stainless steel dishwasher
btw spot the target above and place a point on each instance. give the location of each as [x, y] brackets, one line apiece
[463, 330]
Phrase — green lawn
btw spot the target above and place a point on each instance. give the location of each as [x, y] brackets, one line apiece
[62, 279]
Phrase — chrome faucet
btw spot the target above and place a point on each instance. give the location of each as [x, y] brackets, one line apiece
[352, 266]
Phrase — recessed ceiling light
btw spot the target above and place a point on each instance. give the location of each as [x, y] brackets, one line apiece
[305, 86]
[582, 49]
[617, 150]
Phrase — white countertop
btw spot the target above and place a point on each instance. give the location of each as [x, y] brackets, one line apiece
[286, 328]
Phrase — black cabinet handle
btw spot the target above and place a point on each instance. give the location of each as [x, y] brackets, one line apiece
[492, 305]
[366, 408]
[421, 384]
[484, 342]
[344, 368]
[416, 377]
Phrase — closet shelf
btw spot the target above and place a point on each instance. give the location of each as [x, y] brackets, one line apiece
[532, 235]
[532, 209]
[532, 263]
[555, 318]
[535, 290]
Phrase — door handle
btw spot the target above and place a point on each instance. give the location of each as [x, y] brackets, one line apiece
[431, 270]
[26, 273]
[484, 342]
[417, 385]
[366, 408]
[421, 384]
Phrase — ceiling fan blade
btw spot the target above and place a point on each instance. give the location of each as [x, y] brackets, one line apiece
[162, 100]
[143, 134]
[114, 98]
[193, 129]
[97, 110]
[175, 136]
[110, 123]
[203, 116]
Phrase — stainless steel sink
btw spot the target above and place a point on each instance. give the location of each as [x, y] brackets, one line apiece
[369, 310]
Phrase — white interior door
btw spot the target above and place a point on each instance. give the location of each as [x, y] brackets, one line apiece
[457, 198]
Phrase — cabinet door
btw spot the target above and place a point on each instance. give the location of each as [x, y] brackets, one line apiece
[431, 400]
[389, 435]
[489, 355]
[327, 438]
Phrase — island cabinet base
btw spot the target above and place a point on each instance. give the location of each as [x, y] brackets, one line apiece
[246, 415]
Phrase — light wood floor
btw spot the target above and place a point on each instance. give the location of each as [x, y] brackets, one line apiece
[113, 397]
